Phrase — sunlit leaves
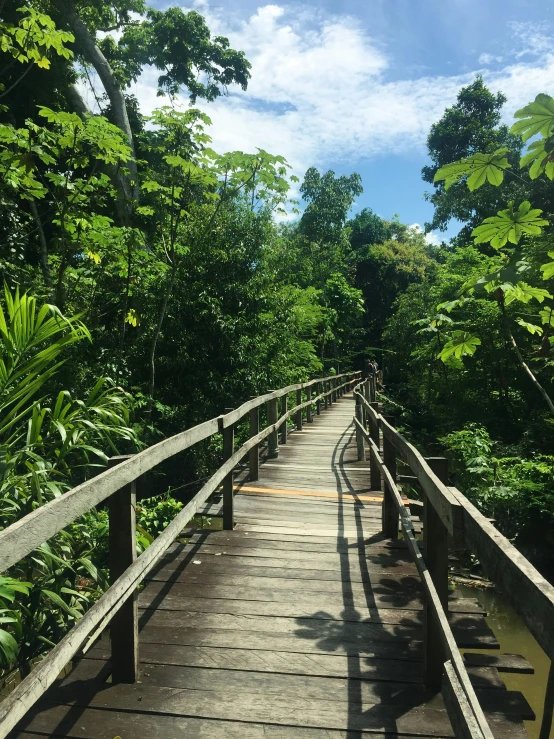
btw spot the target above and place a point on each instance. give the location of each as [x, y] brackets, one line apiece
[510, 225]
[478, 169]
[460, 345]
[34, 38]
[523, 293]
[537, 118]
[132, 317]
[531, 327]
[548, 268]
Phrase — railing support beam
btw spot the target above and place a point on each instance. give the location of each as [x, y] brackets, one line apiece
[359, 437]
[228, 482]
[389, 512]
[124, 636]
[273, 438]
[309, 416]
[298, 413]
[374, 473]
[284, 409]
[254, 453]
[435, 547]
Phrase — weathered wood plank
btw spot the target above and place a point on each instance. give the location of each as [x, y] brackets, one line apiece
[502, 662]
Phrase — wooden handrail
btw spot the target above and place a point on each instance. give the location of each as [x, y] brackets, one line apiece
[25, 535]
[528, 592]
[463, 694]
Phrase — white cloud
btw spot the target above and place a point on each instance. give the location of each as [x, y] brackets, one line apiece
[319, 90]
[430, 238]
[489, 59]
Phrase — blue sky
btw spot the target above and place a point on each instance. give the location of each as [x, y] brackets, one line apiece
[355, 85]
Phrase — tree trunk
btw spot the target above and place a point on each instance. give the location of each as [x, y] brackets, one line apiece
[43, 246]
[112, 87]
[156, 336]
[529, 373]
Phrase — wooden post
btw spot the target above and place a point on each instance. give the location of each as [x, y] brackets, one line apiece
[389, 512]
[372, 389]
[284, 409]
[318, 391]
[122, 553]
[435, 547]
[298, 414]
[374, 473]
[359, 437]
[254, 453]
[228, 482]
[309, 417]
[273, 439]
[546, 723]
[324, 385]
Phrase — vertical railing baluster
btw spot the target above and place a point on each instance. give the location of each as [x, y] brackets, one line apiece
[228, 482]
[298, 414]
[273, 438]
[122, 543]
[254, 453]
[435, 548]
[284, 410]
[318, 391]
[359, 436]
[374, 472]
[309, 417]
[390, 514]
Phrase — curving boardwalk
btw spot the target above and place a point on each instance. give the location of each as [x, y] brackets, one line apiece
[303, 622]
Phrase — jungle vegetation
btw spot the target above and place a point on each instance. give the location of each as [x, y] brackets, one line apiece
[150, 281]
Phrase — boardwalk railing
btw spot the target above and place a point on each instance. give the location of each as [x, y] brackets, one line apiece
[449, 517]
[117, 485]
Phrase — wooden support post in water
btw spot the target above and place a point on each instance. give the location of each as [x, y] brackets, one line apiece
[389, 513]
[546, 723]
[228, 482]
[254, 453]
[374, 473]
[284, 409]
[435, 547]
[298, 413]
[359, 437]
[309, 417]
[122, 553]
[318, 391]
[272, 440]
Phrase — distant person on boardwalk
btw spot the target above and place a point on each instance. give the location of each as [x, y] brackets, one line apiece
[369, 368]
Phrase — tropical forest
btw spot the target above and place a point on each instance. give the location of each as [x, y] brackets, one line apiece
[151, 280]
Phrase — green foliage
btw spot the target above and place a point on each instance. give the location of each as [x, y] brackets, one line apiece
[460, 345]
[510, 225]
[478, 169]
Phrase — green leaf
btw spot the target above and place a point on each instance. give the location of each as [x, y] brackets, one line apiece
[510, 225]
[548, 268]
[538, 118]
[8, 647]
[60, 602]
[547, 316]
[478, 168]
[531, 327]
[462, 344]
[524, 293]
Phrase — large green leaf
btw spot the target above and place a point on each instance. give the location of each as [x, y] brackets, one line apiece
[548, 268]
[537, 118]
[461, 344]
[478, 168]
[531, 327]
[524, 293]
[510, 225]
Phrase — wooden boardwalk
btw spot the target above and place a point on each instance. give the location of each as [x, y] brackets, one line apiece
[303, 622]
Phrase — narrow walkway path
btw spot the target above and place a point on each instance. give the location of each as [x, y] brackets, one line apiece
[302, 622]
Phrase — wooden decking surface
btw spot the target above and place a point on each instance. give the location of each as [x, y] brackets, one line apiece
[303, 622]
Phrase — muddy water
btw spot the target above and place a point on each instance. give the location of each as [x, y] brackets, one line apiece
[514, 638]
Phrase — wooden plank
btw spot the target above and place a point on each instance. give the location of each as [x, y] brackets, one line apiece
[461, 715]
[283, 711]
[502, 662]
[92, 723]
[265, 660]
[403, 650]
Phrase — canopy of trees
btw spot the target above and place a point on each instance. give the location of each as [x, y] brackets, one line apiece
[151, 281]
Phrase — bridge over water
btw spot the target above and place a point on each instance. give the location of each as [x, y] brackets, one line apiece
[312, 614]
